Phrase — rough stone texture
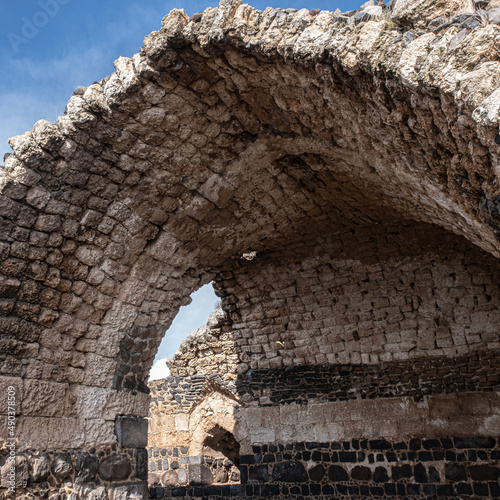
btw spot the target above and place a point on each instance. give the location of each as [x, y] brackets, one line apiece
[413, 11]
[335, 174]
[61, 465]
[41, 469]
[115, 468]
[131, 431]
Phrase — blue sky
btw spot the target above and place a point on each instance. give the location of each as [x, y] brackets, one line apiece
[50, 47]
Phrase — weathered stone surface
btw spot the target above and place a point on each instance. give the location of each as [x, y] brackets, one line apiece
[99, 493]
[141, 464]
[200, 475]
[131, 431]
[61, 465]
[182, 476]
[115, 467]
[18, 476]
[86, 468]
[130, 492]
[289, 472]
[331, 174]
[411, 12]
[169, 478]
[40, 469]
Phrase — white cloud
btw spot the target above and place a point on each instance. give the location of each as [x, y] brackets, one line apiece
[159, 370]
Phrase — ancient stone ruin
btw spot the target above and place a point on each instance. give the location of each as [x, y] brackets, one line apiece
[337, 176]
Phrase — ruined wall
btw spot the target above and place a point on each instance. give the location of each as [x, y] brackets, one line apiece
[350, 370]
[191, 419]
[319, 141]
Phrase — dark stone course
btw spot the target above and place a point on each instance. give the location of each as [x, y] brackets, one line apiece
[380, 475]
[455, 472]
[337, 473]
[360, 473]
[317, 473]
[258, 473]
[289, 472]
[475, 372]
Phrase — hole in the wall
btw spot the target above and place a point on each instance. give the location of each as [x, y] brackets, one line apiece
[222, 453]
[189, 318]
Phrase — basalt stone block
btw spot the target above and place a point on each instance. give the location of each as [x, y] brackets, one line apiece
[455, 472]
[62, 465]
[86, 467]
[317, 473]
[421, 474]
[484, 473]
[403, 472]
[360, 473]
[141, 463]
[200, 475]
[40, 469]
[380, 475]
[289, 472]
[337, 473]
[115, 467]
[258, 473]
[131, 431]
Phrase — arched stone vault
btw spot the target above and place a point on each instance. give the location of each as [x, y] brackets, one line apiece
[284, 134]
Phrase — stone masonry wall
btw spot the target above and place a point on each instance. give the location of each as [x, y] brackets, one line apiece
[330, 172]
[411, 293]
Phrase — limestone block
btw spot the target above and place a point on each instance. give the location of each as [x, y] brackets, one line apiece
[21, 473]
[488, 112]
[420, 12]
[52, 433]
[7, 396]
[46, 399]
[98, 432]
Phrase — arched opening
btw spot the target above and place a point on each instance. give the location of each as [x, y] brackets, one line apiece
[224, 451]
[189, 318]
[335, 201]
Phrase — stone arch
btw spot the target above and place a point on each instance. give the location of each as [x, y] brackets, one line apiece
[239, 132]
[215, 411]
